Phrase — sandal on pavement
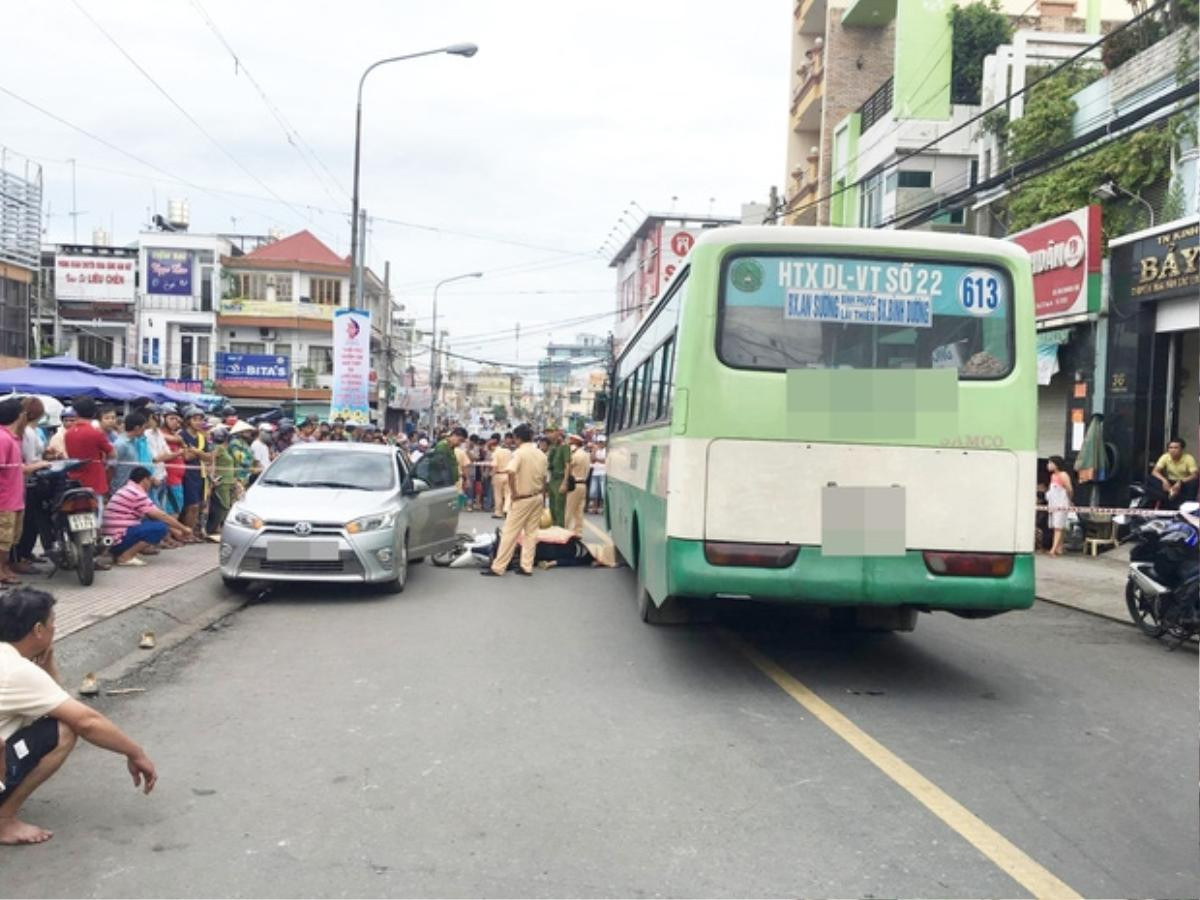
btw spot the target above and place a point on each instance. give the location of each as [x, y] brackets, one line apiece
[134, 562]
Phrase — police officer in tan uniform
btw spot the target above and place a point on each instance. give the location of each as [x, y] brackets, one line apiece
[577, 473]
[501, 495]
[527, 484]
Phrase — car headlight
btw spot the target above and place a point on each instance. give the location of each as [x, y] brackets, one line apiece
[373, 522]
[245, 518]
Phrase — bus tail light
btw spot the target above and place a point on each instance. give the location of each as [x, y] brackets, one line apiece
[762, 556]
[979, 565]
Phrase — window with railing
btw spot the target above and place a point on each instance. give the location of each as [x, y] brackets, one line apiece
[878, 105]
[249, 285]
[327, 291]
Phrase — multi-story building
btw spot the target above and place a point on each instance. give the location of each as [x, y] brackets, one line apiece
[564, 359]
[278, 301]
[179, 278]
[91, 292]
[20, 236]
[491, 387]
[648, 261]
[870, 83]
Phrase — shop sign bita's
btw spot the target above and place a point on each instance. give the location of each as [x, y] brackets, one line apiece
[1065, 257]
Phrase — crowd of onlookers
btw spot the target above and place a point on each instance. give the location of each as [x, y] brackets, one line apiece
[167, 475]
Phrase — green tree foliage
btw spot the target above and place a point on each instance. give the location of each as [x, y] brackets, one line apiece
[979, 28]
[1135, 162]
[500, 413]
[1048, 112]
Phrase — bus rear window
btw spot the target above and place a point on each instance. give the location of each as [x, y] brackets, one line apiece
[792, 311]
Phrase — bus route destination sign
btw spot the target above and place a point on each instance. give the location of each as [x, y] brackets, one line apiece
[868, 292]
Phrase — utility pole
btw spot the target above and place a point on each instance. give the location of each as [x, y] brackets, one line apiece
[387, 345]
[356, 300]
[75, 211]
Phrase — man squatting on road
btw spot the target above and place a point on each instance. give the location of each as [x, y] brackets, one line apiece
[39, 721]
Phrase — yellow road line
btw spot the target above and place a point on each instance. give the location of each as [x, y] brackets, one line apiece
[1017, 864]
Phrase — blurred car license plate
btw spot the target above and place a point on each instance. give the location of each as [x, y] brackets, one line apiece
[81, 521]
[292, 551]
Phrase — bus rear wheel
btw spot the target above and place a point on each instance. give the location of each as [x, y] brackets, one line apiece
[672, 611]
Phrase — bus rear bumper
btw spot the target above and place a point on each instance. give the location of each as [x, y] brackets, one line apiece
[848, 581]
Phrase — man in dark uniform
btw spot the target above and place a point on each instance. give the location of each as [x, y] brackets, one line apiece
[558, 460]
[446, 447]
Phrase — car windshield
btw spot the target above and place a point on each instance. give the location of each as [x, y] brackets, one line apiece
[334, 469]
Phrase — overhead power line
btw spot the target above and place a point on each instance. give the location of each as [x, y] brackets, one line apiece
[109, 144]
[293, 137]
[1048, 160]
[1003, 103]
[178, 106]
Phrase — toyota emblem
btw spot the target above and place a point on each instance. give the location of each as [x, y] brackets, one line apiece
[303, 529]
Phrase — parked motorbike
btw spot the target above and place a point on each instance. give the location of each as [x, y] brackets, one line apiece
[68, 519]
[1163, 589]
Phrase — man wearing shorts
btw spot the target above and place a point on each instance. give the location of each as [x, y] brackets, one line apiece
[197, 459]
[175, 466]
[39, 721]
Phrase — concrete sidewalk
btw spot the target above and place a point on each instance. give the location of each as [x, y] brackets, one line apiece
[121, 588]
[1092, 584]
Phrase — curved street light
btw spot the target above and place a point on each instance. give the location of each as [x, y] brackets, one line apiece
[433, 349]
[464, 50]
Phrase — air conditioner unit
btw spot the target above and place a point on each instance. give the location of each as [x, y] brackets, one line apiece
[266, 334]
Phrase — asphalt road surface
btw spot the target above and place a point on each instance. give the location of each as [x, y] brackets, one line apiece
[530, 736]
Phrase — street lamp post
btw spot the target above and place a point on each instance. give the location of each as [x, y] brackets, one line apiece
[466, 50]
[433, 348]
[1110, 190]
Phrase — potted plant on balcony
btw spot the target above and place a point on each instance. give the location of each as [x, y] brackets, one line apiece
[308, 377]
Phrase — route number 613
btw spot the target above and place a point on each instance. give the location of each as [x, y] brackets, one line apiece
[979, 292]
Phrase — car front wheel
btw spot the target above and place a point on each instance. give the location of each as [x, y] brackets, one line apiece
[396, 585]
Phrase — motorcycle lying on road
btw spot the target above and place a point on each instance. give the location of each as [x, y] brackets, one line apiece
[68, 519]
[1162, 592]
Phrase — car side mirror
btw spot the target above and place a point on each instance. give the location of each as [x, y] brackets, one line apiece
[415, 486]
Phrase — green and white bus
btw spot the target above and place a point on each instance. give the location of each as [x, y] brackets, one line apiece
[834, 417]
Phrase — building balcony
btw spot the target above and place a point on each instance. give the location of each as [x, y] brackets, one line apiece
[268, 313]
[808, 94]
[164, 303]
[279, 392]
[810, 16]
[803, 189]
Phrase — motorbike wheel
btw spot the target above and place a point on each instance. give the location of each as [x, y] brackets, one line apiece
[446, 557]
[1141, 610]
[85, 566]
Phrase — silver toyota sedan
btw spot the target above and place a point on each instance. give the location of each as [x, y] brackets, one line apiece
[334, 512]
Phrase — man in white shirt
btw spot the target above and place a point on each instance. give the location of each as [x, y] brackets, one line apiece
[260, 449]
[39, 721]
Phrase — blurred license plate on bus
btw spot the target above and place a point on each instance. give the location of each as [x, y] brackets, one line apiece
[293, 551]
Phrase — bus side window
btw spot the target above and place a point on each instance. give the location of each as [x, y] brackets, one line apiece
[647, 385]
[631, 402]
[668, 378]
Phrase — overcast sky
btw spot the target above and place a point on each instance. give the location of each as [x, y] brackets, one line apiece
[568, 112]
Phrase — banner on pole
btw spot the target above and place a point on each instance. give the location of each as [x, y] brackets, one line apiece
[350, 397]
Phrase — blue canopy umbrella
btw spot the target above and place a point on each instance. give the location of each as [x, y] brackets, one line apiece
[64, 376]
[148, 386]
